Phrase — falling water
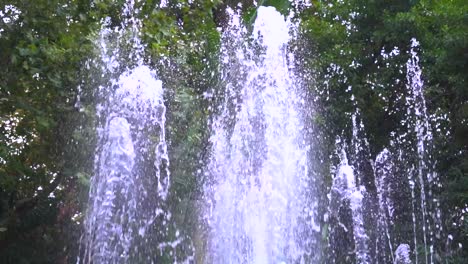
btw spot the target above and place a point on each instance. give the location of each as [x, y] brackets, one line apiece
[415, 83]
[404, 183]
[402, 254]
[258, 162]
[346, 194]
[425, 175]
[126, 217]
[121, 193]
[258, 201]
[383, 179]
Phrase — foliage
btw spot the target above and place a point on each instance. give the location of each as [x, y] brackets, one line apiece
[47, 135]
[354, 68]
[42, 47]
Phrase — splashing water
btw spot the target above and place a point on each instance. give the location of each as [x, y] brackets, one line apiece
[425, 175]
[407, 209]
[347, 195]
[383, 173]
[402, 254]
[259, 203]
[131, 179]
[128, 167]
[258, 163]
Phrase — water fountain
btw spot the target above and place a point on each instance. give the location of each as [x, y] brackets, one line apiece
[258, 204]
[402, 254]
[258, 164]
[425, 173]
[346, 213]
[383, 179]
[126, 218]
[404, 182]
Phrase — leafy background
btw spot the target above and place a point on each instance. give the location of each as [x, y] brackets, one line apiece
[48, 136]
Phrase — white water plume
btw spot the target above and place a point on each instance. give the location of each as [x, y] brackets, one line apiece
[346, 192]
[383, 176]
[131, 179]
[402, 254]
[424, 174]
[258, 166]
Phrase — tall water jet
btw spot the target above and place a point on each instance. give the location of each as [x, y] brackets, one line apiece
[130, 177]
[383, 178]
[424, 174]
[126, 217]
[346, 211]
[401, 200]
[258, 167]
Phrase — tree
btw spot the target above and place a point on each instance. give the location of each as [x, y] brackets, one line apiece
[42, 50]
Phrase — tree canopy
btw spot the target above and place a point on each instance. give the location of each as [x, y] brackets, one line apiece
[360, 48]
